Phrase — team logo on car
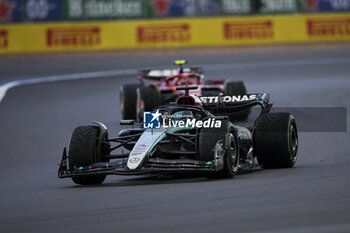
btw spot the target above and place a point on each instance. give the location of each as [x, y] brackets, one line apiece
[151, 120]
[134, 159]
[227, 98]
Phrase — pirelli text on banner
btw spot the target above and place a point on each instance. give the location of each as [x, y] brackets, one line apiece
[73, 37]
[164, 33]
[3, 39]
[339, 27]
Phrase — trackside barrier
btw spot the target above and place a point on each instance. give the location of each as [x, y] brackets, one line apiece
[186, 32]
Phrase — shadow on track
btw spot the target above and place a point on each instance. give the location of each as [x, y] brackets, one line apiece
[163, 180]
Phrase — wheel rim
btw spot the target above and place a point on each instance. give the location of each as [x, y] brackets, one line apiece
[219, 149]
[233, 152]
[293, 138]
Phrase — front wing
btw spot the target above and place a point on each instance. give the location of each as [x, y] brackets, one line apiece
[150, 166]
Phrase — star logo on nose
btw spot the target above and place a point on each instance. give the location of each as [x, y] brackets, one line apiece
[155, 115]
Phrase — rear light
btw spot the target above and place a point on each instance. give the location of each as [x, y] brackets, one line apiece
[217, 81]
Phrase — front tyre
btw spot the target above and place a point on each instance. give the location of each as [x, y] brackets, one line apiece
[216, 143]
[83, 152]
[276, 140]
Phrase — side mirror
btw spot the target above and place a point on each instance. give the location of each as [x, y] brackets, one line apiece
[127, 122]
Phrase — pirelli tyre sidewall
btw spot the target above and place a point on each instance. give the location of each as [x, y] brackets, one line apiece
[276, 140]
[83, 151]
[128, 101]
[208, 140]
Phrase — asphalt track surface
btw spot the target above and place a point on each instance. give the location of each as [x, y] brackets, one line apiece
[36, 122]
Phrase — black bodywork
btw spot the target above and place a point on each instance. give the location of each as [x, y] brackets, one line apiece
[176, 152]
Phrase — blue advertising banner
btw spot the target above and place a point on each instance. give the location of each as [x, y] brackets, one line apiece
[176, 8]
[333, 5]
[10, 11]
[58, 10]
[43, 10]
[194, 8]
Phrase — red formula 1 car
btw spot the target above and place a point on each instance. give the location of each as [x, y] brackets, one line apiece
[137, 98]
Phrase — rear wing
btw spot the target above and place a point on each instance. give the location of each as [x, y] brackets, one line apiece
[159, 74]
[233, 103]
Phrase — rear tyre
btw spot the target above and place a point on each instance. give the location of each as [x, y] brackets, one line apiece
[83, 152]
[128, 101]
[276, 140]
[237, 88]
[147, 99]
[219, 142]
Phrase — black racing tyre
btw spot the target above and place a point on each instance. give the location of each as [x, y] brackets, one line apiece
[128, 101]
[276, 140]
[83, 152]
[212, 143]
[147, 99]
[237, 88]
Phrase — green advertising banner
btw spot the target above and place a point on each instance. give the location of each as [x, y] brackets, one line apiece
[236, 6]
[149, 9]
[102, 9]
[281, 6]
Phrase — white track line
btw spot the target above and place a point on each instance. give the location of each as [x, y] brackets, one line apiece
[56, 78]
[108, 73]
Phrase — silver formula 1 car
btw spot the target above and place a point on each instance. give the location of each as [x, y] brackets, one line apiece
[193, 135]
